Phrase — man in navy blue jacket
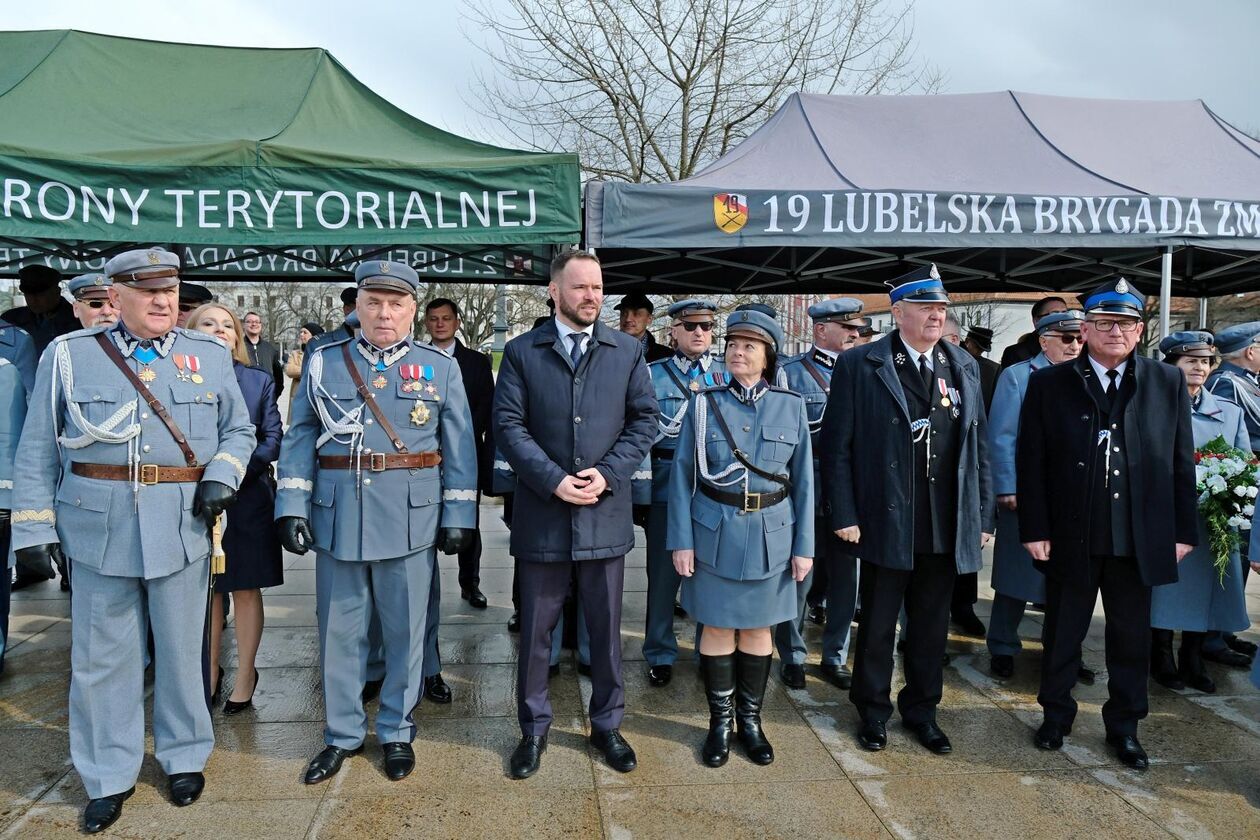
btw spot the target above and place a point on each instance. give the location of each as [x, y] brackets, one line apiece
[574, 414]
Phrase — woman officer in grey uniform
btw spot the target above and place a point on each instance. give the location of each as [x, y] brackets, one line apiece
[741, 527]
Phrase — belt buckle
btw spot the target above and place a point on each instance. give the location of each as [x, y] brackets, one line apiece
[752, 502]
[149, 474]
[376, 462]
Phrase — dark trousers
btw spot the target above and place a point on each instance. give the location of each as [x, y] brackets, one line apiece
[925, 592]
[966, 592]
[6, 583]
[1127, 607]
[543, 587]
[470, 558]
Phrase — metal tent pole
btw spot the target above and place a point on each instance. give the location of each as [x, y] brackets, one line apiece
[1203, 303]
[1165, 290]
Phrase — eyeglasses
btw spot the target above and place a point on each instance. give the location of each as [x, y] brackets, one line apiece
[692, 326]
[1126, 326]
[94, 304]
[1072, 338]
[188, 307]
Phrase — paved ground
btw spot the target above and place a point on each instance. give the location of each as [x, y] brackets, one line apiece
[1205, 781]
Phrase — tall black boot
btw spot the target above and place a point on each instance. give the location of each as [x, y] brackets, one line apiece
[1163, 667]
[751, 673]
[719, 689]
[1192, 669]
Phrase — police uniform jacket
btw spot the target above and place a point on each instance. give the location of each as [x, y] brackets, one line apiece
[674, 389]
[17, 348]
[1013, 572]
[12, 415]
[773, 432]
[870, 465]
[44, 328]
[367, 514]
[1238, 386]
[803, 373]
[1061, 468]
[551, 421]
[84, 410]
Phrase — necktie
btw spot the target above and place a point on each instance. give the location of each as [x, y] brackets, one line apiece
[926, 373]
[1112, 388]
[576, 353]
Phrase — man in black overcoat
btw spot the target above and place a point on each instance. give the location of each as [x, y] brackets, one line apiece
[574, 415]
[1106, 488]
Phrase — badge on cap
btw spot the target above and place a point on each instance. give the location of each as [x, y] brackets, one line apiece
[384, 267]
[154, 258]
[1122, 287]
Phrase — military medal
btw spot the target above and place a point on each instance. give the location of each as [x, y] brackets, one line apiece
[380, 381]
[944, 389]
[409, 373]
[695, 385]
[419, 414]
[146, 374]
[194, 366]
[179, 360]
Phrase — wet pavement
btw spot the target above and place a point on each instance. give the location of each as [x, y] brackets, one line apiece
[1204, 780]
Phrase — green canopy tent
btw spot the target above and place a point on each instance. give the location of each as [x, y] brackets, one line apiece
[252, 162]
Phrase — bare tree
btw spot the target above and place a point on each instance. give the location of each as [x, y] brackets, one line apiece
[651, 90]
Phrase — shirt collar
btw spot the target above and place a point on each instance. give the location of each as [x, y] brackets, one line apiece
[386, 355]
[127, 343]
[565, 330]
[1101, 372]
[448, 350]
[684, 364]
[915, 355]
[748, 396]
[825, 357]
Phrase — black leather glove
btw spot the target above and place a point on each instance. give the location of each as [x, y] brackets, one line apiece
[295, 534]
[640, 514]
[454, 540]
[212, 498]
[37, 561]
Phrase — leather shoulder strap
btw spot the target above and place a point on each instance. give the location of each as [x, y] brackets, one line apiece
[818, 377]
[673, 374]
[738, 453]
[370, 400]
[155, 404]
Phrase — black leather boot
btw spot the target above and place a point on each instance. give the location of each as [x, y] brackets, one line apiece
[751, 674]
[1163, 666]
[719, 690]
[1193, 672]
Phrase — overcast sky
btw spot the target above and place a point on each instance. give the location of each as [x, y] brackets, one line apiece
[417, 53]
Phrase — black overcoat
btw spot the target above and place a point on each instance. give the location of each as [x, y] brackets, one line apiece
[1055, 458]
[479, 386]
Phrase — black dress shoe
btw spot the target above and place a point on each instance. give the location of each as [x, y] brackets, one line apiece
[400, 760]
[873, 735]
[967, 621]
[1050, 735]
[327, 763]
[817, 615]
[793, 676]
[514, 623]
[836, 674]
[372, 690]
[679, 611]
[659, 675]
[1129, 751]
[436, 689]
[527, 756]
[617, 752]
[1002, 666]
[101, 813]
[1225, 656]
[584, 668]
[1241, 645]
[474, 597]
[1085, 676]
[931, 737]
[232, 707]
[186, 787]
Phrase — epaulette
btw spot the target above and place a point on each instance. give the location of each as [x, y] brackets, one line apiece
[660, 361]
[332, 343]
[430, 348]
[198, 335]
[99, 328]
[779, 390]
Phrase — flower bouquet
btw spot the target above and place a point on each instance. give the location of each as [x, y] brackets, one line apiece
[1226, 483]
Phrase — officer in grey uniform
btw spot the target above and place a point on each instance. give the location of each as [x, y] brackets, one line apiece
[675, 380]
[836, 325]
[91, 300]
[136, 417]
[13, 398]
[17, 348]
[379, 455]
[1237, 379]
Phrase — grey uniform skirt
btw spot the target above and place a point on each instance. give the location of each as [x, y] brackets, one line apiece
[741, 604]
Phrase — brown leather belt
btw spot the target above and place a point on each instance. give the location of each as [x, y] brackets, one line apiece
[381, 461]
[149, 473]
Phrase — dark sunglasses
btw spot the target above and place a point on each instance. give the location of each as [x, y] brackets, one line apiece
[1071, 338]
[188, 307]
[94, 304]
[692, 326]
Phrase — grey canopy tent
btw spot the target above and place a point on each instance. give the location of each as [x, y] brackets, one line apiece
[1004, 191]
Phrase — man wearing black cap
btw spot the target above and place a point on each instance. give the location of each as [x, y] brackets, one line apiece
[47, 314]
[978, 342]
[1105, 480]
[636, 311]
[191, 295]
[1029, 345]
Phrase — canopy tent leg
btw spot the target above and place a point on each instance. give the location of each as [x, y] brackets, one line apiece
[1165, 291]
[1203, 304]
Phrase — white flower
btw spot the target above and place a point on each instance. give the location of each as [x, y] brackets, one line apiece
[1252, 492]
[1216, 484]
[1245, 525]
[1240, 490]
[1249, 510]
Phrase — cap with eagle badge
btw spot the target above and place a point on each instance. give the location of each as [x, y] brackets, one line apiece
[845, 311]
[750, 323]
[1188, 343]
[920, 285]
[1067, 321]
[144, 268]
[1116, 296]
[686, 308]
[1238, 337]
[387, 276]
[87, 286]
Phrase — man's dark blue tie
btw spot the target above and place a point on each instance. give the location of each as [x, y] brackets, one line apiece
[576, 353]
